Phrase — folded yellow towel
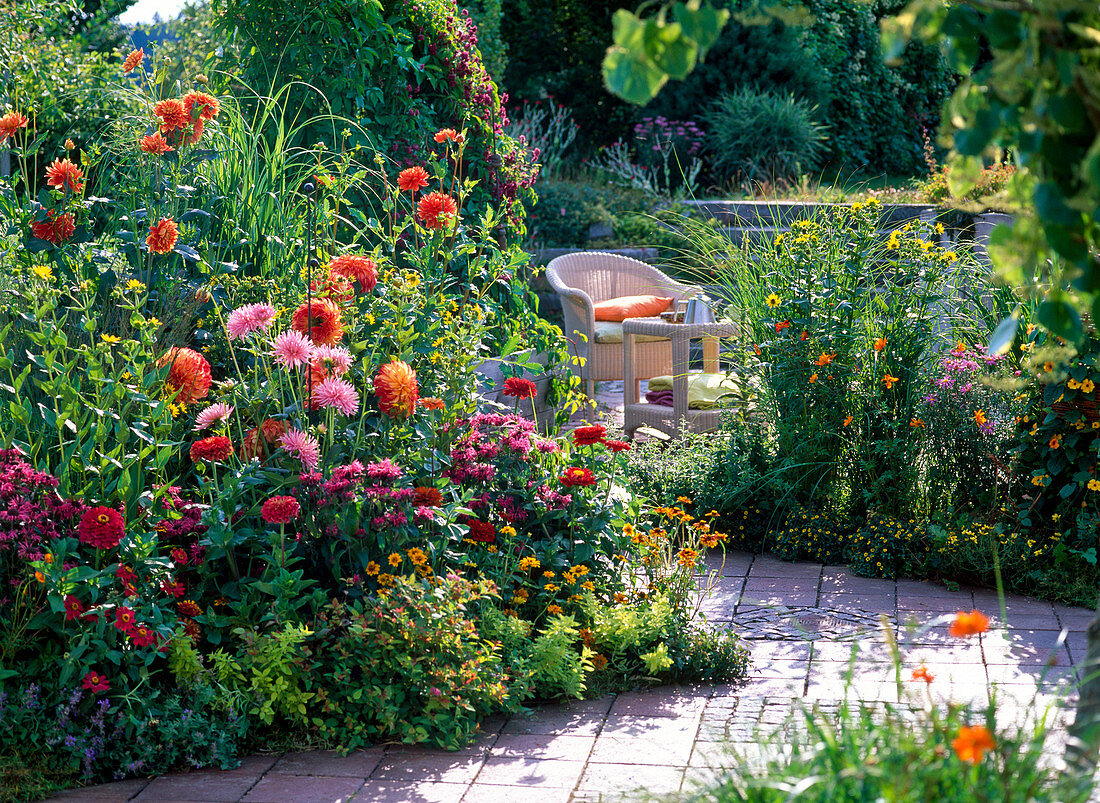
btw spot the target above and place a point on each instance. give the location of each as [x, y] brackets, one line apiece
[611, 332]
[705, 391]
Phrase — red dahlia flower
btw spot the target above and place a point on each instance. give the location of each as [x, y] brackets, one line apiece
[361, 269]
[577, 476]
[155, 144]
[482, 531]
[428, 496]
[189, 375]
[436, 210]
[10, 123]
[216, 449]
[65, 175]
[412, 179]
[319, 320]
[101, 527]
[586, 436]
[133, 60]
[519, 388]
[173, 116]
[55, 229]
[397, 390]
[201, 106]
[449, 135]
[162, 236]
[616, 446]
[280, 510]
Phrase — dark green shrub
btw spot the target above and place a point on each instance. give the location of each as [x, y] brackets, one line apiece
[883, 547]
[807, 535]
[763, 136]
[566, 210]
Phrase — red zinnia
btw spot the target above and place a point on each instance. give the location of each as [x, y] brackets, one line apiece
[520, 388]
[101, 527]
[428, 496]
[133, 60]
[162, 236]
[577, 476]
[412, 178]
[449, 135]
[172, 115]
[482, 531]
[617, 446]
[207, 105]
[65, 175]
[10, 123]
[397, 390]
[124, 619]
[55, 228]
[436, 210]
[586, 436]
[361, 269]
[74, 608]
[189, 374]
[319, 320]
[216, 449]
[155, 144]
[280, 510]
[187, 607]
[95, 682]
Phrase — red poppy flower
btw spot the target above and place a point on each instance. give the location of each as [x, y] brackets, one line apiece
[412, 179]
[319, 320]
[101, 527]
[520, 388]
[189, 375]
[436, 210]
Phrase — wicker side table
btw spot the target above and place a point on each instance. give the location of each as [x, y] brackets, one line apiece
[637, 413]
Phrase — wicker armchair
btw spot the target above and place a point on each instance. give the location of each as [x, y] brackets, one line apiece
[588, 277]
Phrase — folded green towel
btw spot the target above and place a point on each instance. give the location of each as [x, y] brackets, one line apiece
[705, 391]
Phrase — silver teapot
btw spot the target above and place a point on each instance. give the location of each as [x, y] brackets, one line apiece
[698, 310]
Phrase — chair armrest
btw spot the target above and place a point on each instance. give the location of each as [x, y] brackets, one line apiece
[579, 313]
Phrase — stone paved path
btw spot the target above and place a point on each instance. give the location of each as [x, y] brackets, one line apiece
[802, 622]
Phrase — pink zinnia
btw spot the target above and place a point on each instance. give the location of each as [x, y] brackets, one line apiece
[292, 349]
[213, 414]
[250, 318]
[338, 393]
[336, 359]
[302, 446]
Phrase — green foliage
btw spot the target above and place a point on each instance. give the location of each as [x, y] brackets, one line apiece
[566, 210]
[763, 137]
[409, 665]
[805, 534]
[557, 663]
[1036, 91]
[883, 547]
[265, 671]
[494, 50]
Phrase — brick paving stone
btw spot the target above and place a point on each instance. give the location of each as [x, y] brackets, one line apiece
[117, 791]
[780, 668]
[880, 601]
[532, 771]
[410, 792]
[543, 746]
[661, 702]
[484, 793]
[782, 585]
[580, 718]
[1074, 618]
[1025, 647]
[765, 599]
[277, 788]
[439, 766]
[732, 564]
[607, 779]
[940, 604]
[357, 764]
[835, 583]
[765, 566]
[208, 785]
[762, 650]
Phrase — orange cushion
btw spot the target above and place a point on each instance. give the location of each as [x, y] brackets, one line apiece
[619, 309]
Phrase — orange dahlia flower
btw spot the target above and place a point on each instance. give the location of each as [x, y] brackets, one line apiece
[319, 320]
[412, 178]
[172, 115]
[973, 743]
[397, 389]
[65, 175]
[133, 60]
[361, 269]
[260, 442]
[436, 210]
[10, 123]
[201, 105]
[449, 135]
[55, 228]
[188, 376]
[969, 624]
[155, 144]
[162, 236]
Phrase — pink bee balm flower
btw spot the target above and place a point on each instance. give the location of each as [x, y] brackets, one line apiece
[303, 446]
[213, 414]
[292, 349]
[338, 393]
[250, 318]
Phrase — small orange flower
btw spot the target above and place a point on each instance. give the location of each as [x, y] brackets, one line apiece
[979, 417]
[65, 175]
[969, 624]
[960, 347]
[923, 674]
[825, 359]
[889, 381]
[162, 236]
[973, 743]
[781, 325]
[133, 60]
[431, 403]
[412, 178]
[449, 135]
[847, 420]
[880, 344]
[1055, 442]
[804, 335]
[397, 389]
[813, 378]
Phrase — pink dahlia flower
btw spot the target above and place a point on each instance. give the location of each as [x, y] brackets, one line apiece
[338, 393]
[292, 349]
[303, 446]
